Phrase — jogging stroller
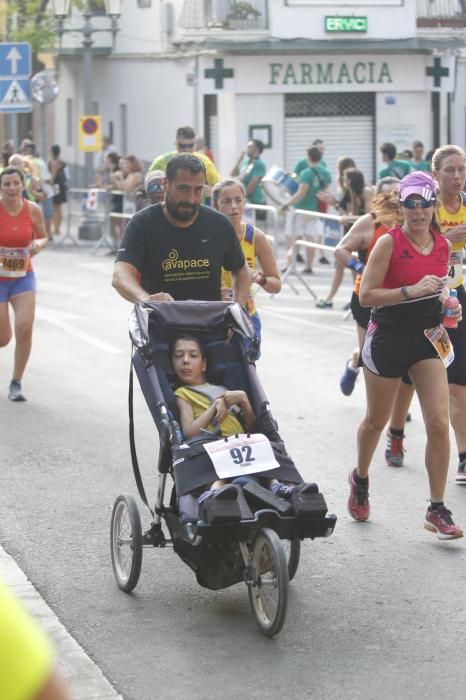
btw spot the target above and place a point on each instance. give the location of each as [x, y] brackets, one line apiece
[262, 548]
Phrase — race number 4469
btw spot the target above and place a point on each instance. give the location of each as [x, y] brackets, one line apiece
[241, 454]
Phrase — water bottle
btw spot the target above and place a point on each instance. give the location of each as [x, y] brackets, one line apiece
[450, 305]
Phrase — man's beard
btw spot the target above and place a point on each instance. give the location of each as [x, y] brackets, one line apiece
[178, 211]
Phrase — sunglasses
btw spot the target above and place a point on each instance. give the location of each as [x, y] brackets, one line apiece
[185, 146]
[415, 203]
[154, 187]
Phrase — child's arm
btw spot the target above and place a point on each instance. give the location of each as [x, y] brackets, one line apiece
[240, 399]
[191, 426]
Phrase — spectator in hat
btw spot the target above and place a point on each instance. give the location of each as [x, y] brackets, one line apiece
[153, 191]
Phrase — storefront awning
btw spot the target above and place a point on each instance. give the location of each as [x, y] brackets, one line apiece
[307, 46]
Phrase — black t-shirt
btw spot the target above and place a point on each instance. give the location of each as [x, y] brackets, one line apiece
[185, 262]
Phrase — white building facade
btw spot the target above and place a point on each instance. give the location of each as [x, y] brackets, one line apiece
[285, 71]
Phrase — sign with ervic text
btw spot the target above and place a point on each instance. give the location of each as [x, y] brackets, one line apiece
[346, 24]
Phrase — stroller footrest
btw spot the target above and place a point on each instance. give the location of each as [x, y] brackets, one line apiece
[308, 505]
[258, 498]
[223, 506]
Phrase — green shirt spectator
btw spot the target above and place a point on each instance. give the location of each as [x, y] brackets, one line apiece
[250, 170]
[417, 161]
[316, 178]
[304, 163]
[421, 165]
[396, 168]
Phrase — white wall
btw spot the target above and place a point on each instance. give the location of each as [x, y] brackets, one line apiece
[261, 109]
[458, 105]
[155, 92]
[407, 120]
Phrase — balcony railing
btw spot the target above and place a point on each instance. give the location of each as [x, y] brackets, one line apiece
[447, 13]
[224, 14]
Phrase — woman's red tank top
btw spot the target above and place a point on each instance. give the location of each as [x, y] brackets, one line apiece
[408, 266]
[16, 231]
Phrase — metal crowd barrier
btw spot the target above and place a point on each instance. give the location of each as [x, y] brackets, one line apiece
[92, 207]
[272, 234]
[292, 268]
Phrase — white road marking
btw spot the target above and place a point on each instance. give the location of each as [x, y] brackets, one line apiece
[57, 319]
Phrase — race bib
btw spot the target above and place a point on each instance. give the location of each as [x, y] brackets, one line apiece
[14, 262]
[439, 338]
[455, 268]
[241, 455]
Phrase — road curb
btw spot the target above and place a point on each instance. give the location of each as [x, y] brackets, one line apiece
[85, 680]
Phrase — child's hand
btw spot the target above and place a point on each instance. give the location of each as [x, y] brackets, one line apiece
[221, 409]
[233, 398]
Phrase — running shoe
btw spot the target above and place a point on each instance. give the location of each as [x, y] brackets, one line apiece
[394, 454]
[348, 379]
[324, 261]
[299, 258]
[307, 271]
[461, 473]
[323, 304]
[439, 520]
[15, 392]
[358, 501]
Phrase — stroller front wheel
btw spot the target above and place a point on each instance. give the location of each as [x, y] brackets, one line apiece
[268, 589]
[126, 542]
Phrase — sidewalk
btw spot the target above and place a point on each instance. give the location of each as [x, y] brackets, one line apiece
[85, 680]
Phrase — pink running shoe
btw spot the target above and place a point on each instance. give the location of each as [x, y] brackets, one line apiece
[440, 521]
[358, 501]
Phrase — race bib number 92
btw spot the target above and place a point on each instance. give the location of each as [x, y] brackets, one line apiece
[241, 455]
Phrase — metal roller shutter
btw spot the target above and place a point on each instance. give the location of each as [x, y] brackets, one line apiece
[345, 123]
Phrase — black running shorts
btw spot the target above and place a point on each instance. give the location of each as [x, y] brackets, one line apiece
[457, 370]
[361, 314]
[390, 354]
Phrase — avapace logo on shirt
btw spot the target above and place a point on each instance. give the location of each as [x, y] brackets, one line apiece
[405, 254]
[174, 262]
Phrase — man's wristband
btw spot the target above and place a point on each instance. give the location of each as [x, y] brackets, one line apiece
[404, 293]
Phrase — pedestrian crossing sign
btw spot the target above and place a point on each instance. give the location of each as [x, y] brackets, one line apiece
[15, 96]
[90, 133]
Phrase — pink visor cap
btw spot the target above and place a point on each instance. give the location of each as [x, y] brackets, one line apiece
[420, 183]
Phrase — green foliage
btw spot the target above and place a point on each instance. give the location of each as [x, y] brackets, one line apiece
[28, 20]
[244, 10]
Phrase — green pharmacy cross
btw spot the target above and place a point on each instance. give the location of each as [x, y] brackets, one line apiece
[437, 72]
[219, 73]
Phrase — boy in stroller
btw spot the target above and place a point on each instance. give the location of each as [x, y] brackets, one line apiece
[207, 409]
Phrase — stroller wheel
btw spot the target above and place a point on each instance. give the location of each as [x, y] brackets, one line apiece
[126, 543]
[292, 550]
[268, 591]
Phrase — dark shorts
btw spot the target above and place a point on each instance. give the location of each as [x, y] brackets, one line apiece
[457, 370]
[390, 354]
[17, 285]
[361, 314]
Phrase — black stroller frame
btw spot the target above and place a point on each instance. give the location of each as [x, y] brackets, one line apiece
[263, 548]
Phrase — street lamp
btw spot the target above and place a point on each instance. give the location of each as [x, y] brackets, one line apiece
[61, 10]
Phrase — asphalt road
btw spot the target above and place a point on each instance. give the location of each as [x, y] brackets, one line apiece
[375, 612]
